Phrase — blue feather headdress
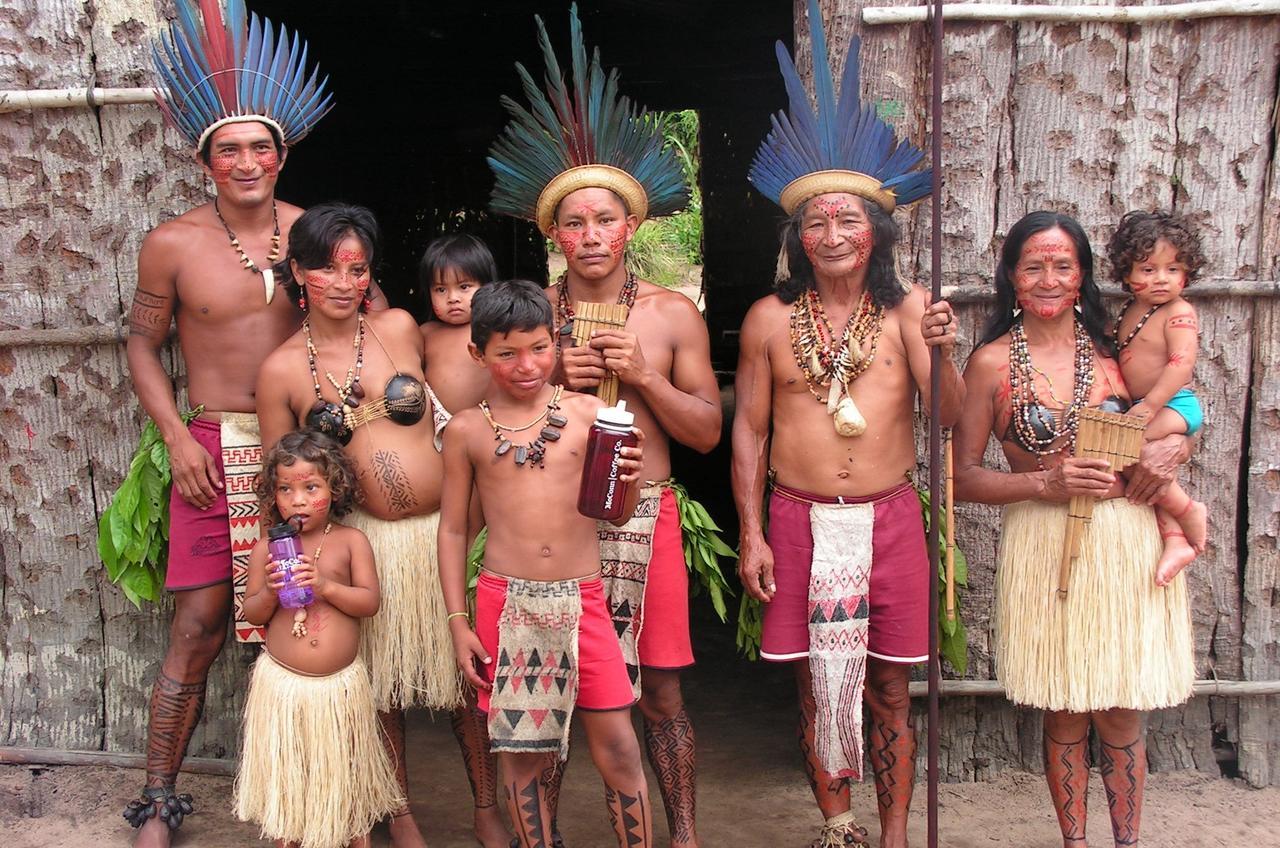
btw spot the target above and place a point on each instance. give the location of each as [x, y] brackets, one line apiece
[843, 147]
[582, 135]
[216, 70]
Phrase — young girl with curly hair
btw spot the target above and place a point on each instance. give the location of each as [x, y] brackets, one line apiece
[313, 770]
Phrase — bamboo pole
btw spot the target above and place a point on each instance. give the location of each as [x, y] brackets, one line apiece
[951, 526]
[70, 98]
[998, 12]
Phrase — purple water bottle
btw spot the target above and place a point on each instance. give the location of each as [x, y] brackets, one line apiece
[285, 547]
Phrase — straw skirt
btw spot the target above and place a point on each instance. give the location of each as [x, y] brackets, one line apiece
[1117, 640]
[407, 646]
[313, 769]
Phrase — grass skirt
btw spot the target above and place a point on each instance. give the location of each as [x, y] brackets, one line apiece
[407, 646]
[1116, 640]
[313, 769]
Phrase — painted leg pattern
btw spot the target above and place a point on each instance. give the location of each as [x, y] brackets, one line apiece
[472, 732]
[1124, 771]
[893, 759]
[175, 712]
[670, 746]
[629, 815]
[528, 807]
[1067, 771]
[831, 792]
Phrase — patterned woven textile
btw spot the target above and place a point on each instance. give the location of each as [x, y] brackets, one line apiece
[241, 462]
[535, 679]
[624, 564]
[838, 624]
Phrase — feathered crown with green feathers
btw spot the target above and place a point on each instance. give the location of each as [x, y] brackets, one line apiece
[842, 147]
[218, 69]
[580, 136]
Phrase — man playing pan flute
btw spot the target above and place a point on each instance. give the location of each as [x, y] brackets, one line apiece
[588, 184]
[830, 367]
[1115, 644]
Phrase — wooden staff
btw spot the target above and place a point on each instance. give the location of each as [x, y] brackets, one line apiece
[951, 526]
[1102, 435]
[588, 317]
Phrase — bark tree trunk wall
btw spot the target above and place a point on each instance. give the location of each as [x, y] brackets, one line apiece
[1090, 119]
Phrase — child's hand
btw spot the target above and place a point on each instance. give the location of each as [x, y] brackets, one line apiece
[304, 568]
[1141, 411]
[468, 652]
[631, 460]
[305, 574]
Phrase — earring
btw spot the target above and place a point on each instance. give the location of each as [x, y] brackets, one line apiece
[302, 301]
[1079, 311]
[366, 303]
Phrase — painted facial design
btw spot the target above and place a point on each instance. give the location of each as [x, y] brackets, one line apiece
[839, 223]
[592, 230]
[568, 241]
[302, 490]
[1158, 278]
[521, 361]
[221, 164]
[268, 160]
[348, 266]
[1048, 276]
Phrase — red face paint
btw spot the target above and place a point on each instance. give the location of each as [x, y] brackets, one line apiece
[302, 490]
[221, 164]
[618, 242]
[268, 161]
[568, 241]
[1047, 278]
[521, 361]
[344, 254]
[838, 223]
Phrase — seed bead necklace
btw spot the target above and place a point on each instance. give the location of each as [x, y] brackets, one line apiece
[349, 391]
[300, 614]
[823, 362]
[249, 264]
[1025, 401]
[534, 453]
[564, 306]
[1133, 334]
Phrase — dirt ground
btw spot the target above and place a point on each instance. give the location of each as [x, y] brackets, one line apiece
[752, 793]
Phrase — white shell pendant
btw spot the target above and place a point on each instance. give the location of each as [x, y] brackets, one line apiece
[848, 419]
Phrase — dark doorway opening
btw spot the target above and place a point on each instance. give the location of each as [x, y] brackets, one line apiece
[417, 88]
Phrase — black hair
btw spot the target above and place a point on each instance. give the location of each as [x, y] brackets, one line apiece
[508, 305]
[1093, 315]
[468, 254]
[321, 451]
[1136, 236]
[882, 275]
[205, 151]
[316, 233]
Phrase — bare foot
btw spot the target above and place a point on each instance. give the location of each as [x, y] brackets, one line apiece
[1194, 521]
[153, 834]
[405, 833]
[1178, 554]
[490, 829]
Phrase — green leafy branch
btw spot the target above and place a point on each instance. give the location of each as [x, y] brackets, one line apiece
[133, 532]
[953, 640]
[703, 548]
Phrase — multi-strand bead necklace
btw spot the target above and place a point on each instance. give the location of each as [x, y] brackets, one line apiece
[1026, 403]
[822, 361]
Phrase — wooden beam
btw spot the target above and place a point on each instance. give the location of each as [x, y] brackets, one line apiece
[1000, 12]
[70, 98]
[985, 291]
[59, 757]
[1225, 688]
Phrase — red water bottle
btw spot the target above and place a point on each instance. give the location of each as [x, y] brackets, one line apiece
[602, 494]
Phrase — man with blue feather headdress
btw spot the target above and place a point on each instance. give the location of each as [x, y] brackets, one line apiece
[237, 90]
[830, 367]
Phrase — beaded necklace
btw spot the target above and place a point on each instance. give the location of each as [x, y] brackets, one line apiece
[300, 614]
[823, 362]
[564, 306]
[1121, 345]
[248, 263]
[349, 391]
[1026, 403]
[535, 451]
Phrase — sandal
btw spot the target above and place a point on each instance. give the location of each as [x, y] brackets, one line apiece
[840, 831]
[162, 801]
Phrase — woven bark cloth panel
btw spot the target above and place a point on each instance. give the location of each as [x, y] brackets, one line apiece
[535, 678]
[241, 462]
[838, 623]
[624, 565]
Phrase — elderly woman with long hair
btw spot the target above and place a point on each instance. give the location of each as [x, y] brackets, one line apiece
[1117, 645]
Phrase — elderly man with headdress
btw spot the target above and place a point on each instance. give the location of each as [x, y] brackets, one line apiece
[588, 169]
[239, 97]
[1110, 643]
[830, 367]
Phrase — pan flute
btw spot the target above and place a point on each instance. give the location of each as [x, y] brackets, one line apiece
[1111, 436]
[588, 317]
